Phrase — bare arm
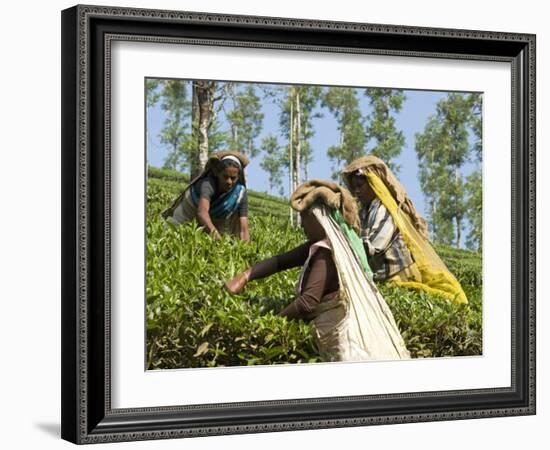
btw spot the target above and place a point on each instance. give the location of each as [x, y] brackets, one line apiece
[245, 233]
[293, 258]
[203, 216]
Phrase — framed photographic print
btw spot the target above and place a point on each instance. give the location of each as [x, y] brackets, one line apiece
[283, 224]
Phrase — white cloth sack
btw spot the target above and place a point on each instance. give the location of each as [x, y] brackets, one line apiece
[357, 326]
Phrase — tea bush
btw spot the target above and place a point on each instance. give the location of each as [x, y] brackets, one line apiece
[193, 322]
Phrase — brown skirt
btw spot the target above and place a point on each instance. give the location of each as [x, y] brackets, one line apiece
[330, 329]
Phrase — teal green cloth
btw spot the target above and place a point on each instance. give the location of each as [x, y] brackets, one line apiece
[354, 241]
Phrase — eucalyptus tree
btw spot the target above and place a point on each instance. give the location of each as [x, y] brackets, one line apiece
[474, 208]
[381, 129]
[442, 149]
[297, 106]
[273, 163]
[343, 103]
[191, 129]
[177, 110]
[474, 186]
[152, 93]
[204, 98]
[245, 118]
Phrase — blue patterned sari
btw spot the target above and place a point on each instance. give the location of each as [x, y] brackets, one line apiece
[226, 204]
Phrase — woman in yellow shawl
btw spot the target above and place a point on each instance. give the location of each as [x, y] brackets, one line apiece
[394, 234]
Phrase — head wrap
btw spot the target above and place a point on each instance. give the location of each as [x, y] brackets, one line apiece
[372, 164]
[232, 158]
[215, 158]
[330, 194]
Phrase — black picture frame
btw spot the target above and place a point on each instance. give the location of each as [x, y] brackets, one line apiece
[87, 416]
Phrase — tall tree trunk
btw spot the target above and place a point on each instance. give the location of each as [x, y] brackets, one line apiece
[298, 152]
[235, 137]
[297, 141]
[434, 210]
[290, 157]
[304, 157]
[433, 198]
[204, 98]
[458, 216]
[458, 226]
[340, 154]
[194, 167]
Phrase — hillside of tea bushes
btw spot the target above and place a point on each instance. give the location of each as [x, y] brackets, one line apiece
[193, 322]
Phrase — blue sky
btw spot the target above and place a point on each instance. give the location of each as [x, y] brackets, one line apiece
[412, 118]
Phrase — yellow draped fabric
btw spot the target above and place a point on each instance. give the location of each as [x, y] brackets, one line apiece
[436, 278]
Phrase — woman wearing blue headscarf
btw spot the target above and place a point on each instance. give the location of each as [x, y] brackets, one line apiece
[216, 198]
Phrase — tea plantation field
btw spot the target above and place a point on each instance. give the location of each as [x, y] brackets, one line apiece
[193, 322]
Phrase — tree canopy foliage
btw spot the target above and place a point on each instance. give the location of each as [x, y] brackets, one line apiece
[201, 117]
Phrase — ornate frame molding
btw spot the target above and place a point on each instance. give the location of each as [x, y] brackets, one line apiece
[86, 193]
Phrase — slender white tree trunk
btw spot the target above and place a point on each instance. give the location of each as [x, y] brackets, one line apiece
[298, 152]
[458, 213]
[304, 157]
[194, 167]
[290, 158]
[205, 97]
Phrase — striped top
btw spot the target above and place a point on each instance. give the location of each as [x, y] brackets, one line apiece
[386, 250]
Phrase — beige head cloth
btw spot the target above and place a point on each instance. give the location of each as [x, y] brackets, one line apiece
[329, 193]
[378, 167]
